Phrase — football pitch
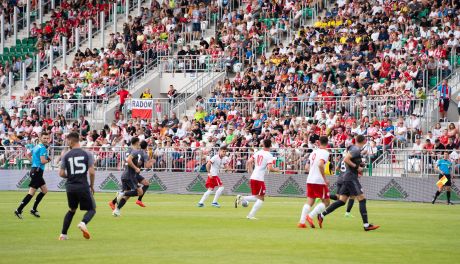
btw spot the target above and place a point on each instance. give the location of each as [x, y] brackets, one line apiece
[171, 229]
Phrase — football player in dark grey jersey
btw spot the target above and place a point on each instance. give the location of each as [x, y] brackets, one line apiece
[136, 160]
[140, 179]
[352, 167]
[75, 167]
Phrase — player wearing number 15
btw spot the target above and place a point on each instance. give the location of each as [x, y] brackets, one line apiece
[263, 160]
[75, 166]
[317, 184]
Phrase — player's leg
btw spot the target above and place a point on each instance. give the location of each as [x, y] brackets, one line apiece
[438, 192]
[448, 192]
[258, 196]
[341, 202]
[145, 186]
[72, 200]
[113, 203]
[43, 191]
[305, 210]
[363, 211]
[204, 197]
[257, 205]
[220, 190]
[350, 204]
[24, 202]
[210, 185]
[87, 204]
[319, 208]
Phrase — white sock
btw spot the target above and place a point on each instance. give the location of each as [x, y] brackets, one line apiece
[303, 215]
[205, 196]
[317, 210]
[255, 208]
[218, 194]
[250, 198]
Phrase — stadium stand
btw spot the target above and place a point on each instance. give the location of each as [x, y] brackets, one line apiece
[361, 68]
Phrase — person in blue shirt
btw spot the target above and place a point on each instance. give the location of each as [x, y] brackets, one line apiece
[39, 159]
[444, 167]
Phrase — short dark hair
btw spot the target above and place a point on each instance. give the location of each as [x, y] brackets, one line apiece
[134, 140]
[44, 133]
[144, 144]
[323, 140]
[224, 148]
[267, 143]
[73, 136]
[360, 138]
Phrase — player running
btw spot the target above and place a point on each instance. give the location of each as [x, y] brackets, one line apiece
[317, 184]
[39, 159]
[141, 180]
[213, 167]
[339, 184]
[351, 166]
[75, 166]
[444, 167]
[135, 161]
[258, 164]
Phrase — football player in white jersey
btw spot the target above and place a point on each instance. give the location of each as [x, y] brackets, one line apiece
[261, 162]
[317, 184]
[213, 167]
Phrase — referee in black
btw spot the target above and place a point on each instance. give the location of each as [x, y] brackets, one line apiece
[76, 164]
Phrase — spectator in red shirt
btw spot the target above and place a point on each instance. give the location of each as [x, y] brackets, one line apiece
[123, 95]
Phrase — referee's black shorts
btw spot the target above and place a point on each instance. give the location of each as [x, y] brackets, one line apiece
[83, 198]
[36, 178]
[351, 188]
[449, 179]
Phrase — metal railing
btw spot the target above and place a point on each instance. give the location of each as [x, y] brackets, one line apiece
[191, 64]
[383, 163]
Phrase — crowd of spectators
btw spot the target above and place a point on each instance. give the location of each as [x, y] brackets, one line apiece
[359, 70]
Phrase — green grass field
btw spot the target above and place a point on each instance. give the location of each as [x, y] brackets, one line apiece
[172, 230]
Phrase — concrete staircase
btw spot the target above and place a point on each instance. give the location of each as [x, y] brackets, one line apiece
[32, 79]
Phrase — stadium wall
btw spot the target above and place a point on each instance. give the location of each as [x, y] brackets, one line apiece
[376, 188]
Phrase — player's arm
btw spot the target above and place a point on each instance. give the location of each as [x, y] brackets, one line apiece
[130, 162]
[92, 176]
[43, 157]
[91, 171]
[250, 164]
[272, 168]
[347, 160]
[208, 167]
[62, 173]
[149, 162]
[436, 166]
[322, 167]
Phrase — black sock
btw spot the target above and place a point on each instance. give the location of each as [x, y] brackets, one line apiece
[67, 221]
[436, 195]
[363, 210]
[121, 203]
[114, 201]
[88, 216]
[144, 190]
[350, 204]
[38, 200]
[130, 193]
[448, 196]
[333, 197]
[24, 202]
[333, 206]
